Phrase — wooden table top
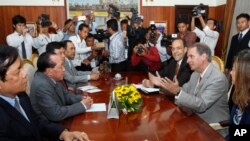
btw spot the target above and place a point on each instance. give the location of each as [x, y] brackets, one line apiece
[160, 119]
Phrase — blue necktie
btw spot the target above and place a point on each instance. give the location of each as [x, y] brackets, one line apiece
[240, 37]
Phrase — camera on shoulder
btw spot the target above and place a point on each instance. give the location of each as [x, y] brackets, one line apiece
[199, 9]
[167, 40]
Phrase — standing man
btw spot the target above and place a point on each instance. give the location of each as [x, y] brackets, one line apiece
[18, 120]
[49, 98]
[239, 41]
[206, 92]
[208, 35]
[20, 38]
[116, 49]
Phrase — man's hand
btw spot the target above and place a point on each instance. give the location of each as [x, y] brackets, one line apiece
[94, 75]
[86, 62]
[155, 80]
[147, 83]
[75, 135]
[171, 86]
[87, 101]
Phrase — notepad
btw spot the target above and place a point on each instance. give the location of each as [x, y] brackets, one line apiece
[97, 107]
[146, 90]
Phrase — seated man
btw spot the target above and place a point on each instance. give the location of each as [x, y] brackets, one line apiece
[206, 91]
[71, 75]
[18, 120]
[176, 67]
[49, 98]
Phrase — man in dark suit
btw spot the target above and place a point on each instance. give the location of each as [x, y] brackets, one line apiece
[18, 120]
[239, 41]
[49, 98]
[176, 67]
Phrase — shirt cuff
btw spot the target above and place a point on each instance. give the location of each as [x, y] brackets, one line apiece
[88, 77]
[178, 95]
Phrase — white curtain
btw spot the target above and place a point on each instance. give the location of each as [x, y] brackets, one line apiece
[241, 6]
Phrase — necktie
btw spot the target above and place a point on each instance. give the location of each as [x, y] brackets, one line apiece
[177, 68]
[240, 37]
[23, 51]
[17, 106]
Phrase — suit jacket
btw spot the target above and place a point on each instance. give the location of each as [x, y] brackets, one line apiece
[209, 98]
[52, 101]
[15, 127]
[236, 46]
[183, 74]
[72, 76]
[245, 119]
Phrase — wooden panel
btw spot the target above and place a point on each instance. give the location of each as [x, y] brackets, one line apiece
[31, 13]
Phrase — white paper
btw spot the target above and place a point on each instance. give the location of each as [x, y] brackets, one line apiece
[94, 90]
[97, 107]
[146, 90]
[86, 88]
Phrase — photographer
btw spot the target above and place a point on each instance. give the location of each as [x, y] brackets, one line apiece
[21, 38]
[45, 36]
[208, 35]
[69, 29]
[148, 55]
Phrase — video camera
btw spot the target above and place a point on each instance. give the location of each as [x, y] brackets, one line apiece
[167, 39]
[114, 11]
[101, 35]
[135, 18]
[199, 9]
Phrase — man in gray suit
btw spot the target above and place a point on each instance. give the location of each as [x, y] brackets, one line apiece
[72, 76]
[49, 98]
[206, 91]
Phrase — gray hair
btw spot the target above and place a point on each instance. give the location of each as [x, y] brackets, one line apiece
[203, 49]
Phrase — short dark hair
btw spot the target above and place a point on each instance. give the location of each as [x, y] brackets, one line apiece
[65, 42]
[243, 15]
[90, 36]
[68, 21]
[211, 19]
[18, 19]
[182, 20]
[81, 26]
[52, 46]
[8, 55]
[44, 61]
[203, 49]
[124, 21]
[112, 23]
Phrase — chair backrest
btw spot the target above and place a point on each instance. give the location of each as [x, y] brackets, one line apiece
[216, 61]
[29, 68]
[33, 59]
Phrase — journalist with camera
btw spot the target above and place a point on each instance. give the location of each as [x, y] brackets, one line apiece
[208, 35]
[145, 56]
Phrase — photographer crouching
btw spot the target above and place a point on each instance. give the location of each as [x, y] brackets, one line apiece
[147, 55]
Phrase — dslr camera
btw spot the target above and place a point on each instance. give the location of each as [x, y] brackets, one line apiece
[167, 39]
[101, 35]
[140, 49]
[44, 20]
[152, 35]
[199, 9]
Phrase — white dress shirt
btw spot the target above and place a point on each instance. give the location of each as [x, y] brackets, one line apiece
[42, 40]
[82, 51]
[15, 40]
[208, 37]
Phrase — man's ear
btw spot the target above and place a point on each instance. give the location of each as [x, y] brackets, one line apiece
[1, 84]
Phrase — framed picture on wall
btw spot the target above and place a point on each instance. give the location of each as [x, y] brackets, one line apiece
[100, 8]
[161, 26]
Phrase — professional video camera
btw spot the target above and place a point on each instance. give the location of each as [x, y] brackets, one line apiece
[166, 40]
[101, 34]
[114, 11]
[135, 17]
[44, 20]
[199, 9]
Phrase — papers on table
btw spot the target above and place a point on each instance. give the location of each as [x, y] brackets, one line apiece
[97, 107]
[89, 89]
[146, 90]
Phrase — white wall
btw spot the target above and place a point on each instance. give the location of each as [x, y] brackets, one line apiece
[182, 2]
[32, 2]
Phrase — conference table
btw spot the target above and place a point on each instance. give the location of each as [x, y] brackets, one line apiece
[159, 120]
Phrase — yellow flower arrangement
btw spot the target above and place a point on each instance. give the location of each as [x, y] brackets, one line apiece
[129, 98]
